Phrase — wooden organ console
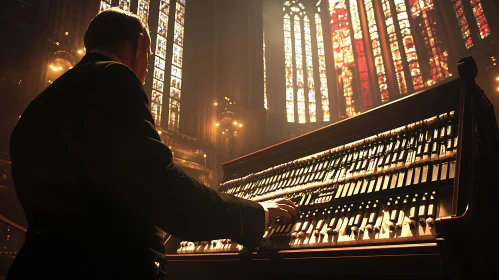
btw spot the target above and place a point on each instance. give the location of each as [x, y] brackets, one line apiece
[406, 189]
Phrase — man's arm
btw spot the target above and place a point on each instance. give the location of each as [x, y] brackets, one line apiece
[126, 159]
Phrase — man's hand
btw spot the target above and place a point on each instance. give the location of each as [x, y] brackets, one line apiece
[281, 208]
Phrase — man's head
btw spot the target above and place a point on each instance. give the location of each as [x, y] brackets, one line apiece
[122, 34]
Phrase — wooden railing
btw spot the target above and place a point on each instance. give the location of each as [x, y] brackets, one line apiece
[12, 236]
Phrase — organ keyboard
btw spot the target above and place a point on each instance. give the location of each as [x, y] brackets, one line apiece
[396, 184]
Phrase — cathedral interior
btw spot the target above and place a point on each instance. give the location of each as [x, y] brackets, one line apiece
[229, 78]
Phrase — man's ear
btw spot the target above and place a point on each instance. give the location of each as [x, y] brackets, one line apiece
[140, 44]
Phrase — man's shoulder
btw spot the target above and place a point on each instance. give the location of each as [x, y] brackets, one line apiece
[112, 66]
[111, 78]
[110, 69]
[88, 80]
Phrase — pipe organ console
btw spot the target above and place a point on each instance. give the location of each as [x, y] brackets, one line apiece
[409, 188]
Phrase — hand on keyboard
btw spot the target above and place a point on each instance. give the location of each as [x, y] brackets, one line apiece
[281, 208]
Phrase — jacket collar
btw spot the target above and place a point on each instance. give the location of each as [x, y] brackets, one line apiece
[107, 54]
[94, 57]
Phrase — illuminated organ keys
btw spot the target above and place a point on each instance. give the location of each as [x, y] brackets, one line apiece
[277, 227]
[365, 218]
[379, 221]
[435, 172]
[454, 146]
[365, 161]
[358, 165]
[443, 149]
[280, 228]
[311, 238]
[442, 142]
[273, 228]
[372, 165]
[401, 178]
[339, 190]
[267, 231]
[424, 174]
[435, 144]
[324, 229]
[393, 211]
[401, 215]
[379, 182]
[357, 220]
[313, 223]
[339, 223]
[315, 236]
[348, 230]
[397, 151]
[304, 226]
[295, 175]
[336, 174]
[413, 212]
[372, 217]
[393, 182]
[297, 226]
[372, 184]
[420, 145]
[386, 181]
[346, 187]
[427, 145]
[380, 155]
[386, 165]
[365, 184]
[431, 211]
[410, 152]
[346, 220]
[317, 171]
[448, 148]
[422, 210]
[287, 229]
[452, 170]
[320, 224]
[358, 184]
[417, 175]
[352, 163]
[402, 155]
[329, 228]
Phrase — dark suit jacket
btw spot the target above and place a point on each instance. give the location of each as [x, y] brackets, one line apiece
[97, 184]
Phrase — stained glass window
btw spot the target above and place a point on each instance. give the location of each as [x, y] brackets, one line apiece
[439, 69]
[376, 47]
[143, 10]
[409, 44]
[124, 5]
[481, 20]
[343, 52]
[265, 105]
[394, 47]
[300, 89]
[310, 71]
[176, 77]
[322, 69]
[159, 62]
[104, 5]
[461, 18]
[360, 53]
[288, 58]
[300, 66]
